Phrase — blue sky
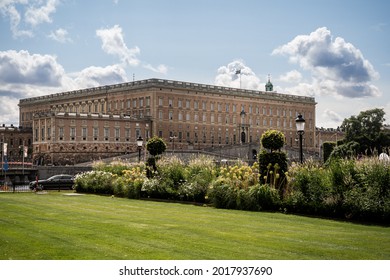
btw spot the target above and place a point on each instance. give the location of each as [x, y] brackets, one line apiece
[336, 51]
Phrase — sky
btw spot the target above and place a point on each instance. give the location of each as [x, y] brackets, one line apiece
[336, 51]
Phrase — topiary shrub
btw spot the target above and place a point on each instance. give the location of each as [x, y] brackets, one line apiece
[273, 165]
[273, 140]
[156, 146]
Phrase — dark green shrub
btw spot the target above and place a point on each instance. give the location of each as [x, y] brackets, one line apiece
[265, 197]
[369, 200]
[133, 190]
[343, 176]
[222, 195]
[348, 151]
[245, 200]
[327, 148]
[310, 189]
[171, 171]
[273, 167]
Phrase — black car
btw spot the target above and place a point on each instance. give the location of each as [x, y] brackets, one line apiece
[56, 182]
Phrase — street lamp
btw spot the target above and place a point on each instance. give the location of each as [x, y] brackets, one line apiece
[140, 142]
[300, 122]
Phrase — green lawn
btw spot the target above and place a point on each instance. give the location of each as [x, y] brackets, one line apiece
[55, 226]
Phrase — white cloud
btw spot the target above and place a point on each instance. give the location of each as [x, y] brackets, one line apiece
[60, 35]
[35, 13]
[293, 76]
[162, 69]
[95, 76]
[8, 9]
[25, 68]
[337, 67]
[332, 116]
[9, 110]
[227, 76]
[303, 89]
[24, 75]
[113, 43]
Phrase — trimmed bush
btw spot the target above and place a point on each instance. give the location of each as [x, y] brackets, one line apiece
[156, 146]
[99, 182]
[272, 139]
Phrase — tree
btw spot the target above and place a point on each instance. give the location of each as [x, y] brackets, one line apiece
[366, 130]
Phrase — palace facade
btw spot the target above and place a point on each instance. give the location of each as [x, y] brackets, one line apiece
[88, 124]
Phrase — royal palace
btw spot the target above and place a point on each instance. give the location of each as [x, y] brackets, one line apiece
[93, 123]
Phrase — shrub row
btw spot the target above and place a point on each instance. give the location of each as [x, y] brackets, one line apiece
[358, 190]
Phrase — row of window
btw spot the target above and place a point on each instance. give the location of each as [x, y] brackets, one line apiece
[231, 119]
[45, 134]
[96, 107]
[15, 142]
[197, 105]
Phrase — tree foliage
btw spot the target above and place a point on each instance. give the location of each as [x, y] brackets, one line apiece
[367, 130]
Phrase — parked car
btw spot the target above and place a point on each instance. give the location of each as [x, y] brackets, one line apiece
[56, 182]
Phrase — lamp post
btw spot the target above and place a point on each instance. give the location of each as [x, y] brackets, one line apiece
[140, 142]
[300, 123]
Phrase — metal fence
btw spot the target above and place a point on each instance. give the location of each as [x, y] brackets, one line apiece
[14, 189]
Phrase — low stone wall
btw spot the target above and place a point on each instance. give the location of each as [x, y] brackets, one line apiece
[45, 172]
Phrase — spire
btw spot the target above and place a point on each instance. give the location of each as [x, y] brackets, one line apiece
[269, 86]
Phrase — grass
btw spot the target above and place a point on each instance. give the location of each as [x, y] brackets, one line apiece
[55, 226]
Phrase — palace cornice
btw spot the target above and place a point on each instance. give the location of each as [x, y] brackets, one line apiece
[161, 83]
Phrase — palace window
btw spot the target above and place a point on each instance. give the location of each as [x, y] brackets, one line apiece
[106, 133]
[72, 133]
[117, 134]
[84, 133]
[95, 133]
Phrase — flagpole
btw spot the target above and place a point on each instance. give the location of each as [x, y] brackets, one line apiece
[239, 72]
